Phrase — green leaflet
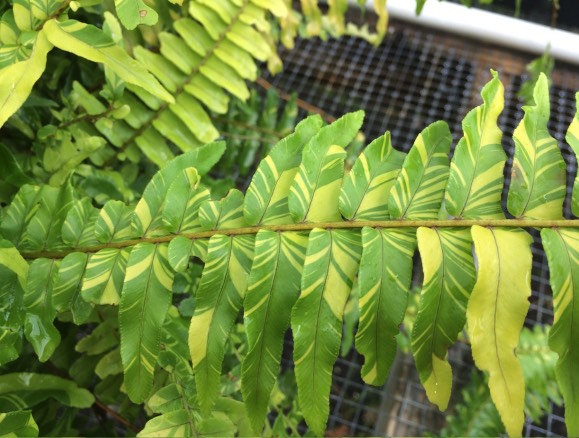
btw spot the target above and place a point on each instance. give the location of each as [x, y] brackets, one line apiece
[419, 188]
[184, 197]
[224, 214]
[10, 170]
[273, 288]
[266, 199]
[329, 270]
[315, 190]
[476, 179]
[364, 194]
[219, 298]
[449, 277]
[496, 313]
[179, 424]
[38, 325]
[13, 274]
[99, 340]
[25, 390]
[66, 293]
[18, 424]
[114, 222]
[383, 282]
[537, 188]
[93, 44]
[145, 299]
[78, 229]
[135, 12]
[104, 275]
[147, 212]
[562, 248]
[17, 80]
[18, 214]
[573, 140]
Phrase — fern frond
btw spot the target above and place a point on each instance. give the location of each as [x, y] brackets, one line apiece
[285, 253]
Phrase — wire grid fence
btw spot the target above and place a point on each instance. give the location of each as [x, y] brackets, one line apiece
[415, 77]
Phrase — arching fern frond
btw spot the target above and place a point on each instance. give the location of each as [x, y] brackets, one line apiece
[289, 252]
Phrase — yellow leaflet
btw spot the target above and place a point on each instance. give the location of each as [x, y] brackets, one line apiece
[496, 313]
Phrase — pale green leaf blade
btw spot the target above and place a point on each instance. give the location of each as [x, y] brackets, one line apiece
[19, 212]
[315, 191]
[496, 314]
[475, 183]
[266, 199]
[223, 214]
[17, 80]
[145, 299]
[148, 210]
[572, 138]
[419, 188]
[180, 253]
[184, 197]
[331, 264]
[219, 298]
[18, 424]
[78, 230]
[99, 341]
[449, 277]
[38, 326]
[66, 294]
[538, 177]
[364, 194]
[104, 276]
[114, 222]
[110, 364]
[43, 231]
[25, 390]
[133, 13]
[172, 424]
[383, 282]
[93, 44]
[273, 288]
[562, 248]
[13, 273]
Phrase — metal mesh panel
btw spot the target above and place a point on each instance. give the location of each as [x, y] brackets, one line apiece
[415, 77]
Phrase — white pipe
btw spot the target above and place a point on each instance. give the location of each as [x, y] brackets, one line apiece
[489, 27]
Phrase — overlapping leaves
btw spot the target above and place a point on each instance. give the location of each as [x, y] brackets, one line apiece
[285, 255]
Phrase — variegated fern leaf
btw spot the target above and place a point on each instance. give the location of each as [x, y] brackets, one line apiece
[288, 253]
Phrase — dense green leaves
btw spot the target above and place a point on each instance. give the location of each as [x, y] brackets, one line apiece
[289, 255]
[18, 424]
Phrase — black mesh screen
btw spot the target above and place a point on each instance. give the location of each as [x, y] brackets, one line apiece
[415, 77]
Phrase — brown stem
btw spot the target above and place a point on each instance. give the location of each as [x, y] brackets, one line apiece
[116, 416]
[450, 223]
[301, 103]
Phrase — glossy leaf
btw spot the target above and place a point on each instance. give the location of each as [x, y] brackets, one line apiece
[419, 188]
[25, 390]
[273, 288]
[17, 80]
[562, 248]
[331, 263]
[93, 44]
[496, 313]
[537, 188]
[219, 298]
[18, 424]
[364, 194]
[66, 294]
[267, 196]
[449, 276]
[103, 279]
[383, 282]
[145, 299]
[314, 193]
[476, 179]
[38, 325]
